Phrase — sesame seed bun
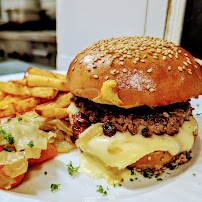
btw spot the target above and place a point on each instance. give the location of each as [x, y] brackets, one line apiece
[148, 71]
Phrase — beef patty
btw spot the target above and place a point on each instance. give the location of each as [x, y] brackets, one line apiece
[159, 120]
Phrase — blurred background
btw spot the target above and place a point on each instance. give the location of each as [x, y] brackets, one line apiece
[49, 33]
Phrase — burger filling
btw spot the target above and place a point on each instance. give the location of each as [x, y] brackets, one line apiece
[159, 120]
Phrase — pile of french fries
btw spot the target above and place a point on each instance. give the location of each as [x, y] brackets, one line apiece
[44, 91]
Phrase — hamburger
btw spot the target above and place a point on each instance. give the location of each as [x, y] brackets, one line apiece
[131, 105]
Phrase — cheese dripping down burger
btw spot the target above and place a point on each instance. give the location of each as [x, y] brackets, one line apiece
[131, 105]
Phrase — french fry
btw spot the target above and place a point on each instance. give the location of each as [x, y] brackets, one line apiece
[62, 100]
[46, 73]
[59, 113]
[43, 81]
[14, 106]
[26, 104]
[7, 110]
[42, 92]
[21, 82]
[9, 99]
[2, 95]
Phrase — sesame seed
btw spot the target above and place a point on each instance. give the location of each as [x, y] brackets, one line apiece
[185, 63]
[158, 50]
[124, 70]
[121, 58]
[88, 68]
[170, 56]
[145, 56]
[179, 51]
[142, 61]
[148, 87]
[107, 77]
[129, 56]
[149, 158]
[169, 68]
[80, 61]
[155, 57]
[137, 59]
[121, 63]
[189, 62]
[113, 72]
[185, 54]
[73, 68]
[75, 61]
[94, 66]
[117, 71]
[151, 90]
[149, 70]
[164, 57]
[180, 69]
[183, 67]
[189, 71]
[95, 76]
[135, 62]
[195, 66]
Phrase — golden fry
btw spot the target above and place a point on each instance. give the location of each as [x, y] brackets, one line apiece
[59, 113]
[21, 82]
[43, 81]
[26, 104]
[7, 110]
[46, 73]
[2, 95]
[42, 92]
[62, 100]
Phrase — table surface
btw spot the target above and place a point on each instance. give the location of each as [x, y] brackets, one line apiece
[15, 66]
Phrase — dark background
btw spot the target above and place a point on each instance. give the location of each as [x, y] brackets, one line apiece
[192, 30]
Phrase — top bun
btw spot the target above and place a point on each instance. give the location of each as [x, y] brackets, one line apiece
[148, 71]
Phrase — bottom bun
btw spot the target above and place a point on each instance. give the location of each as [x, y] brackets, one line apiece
[160, 160]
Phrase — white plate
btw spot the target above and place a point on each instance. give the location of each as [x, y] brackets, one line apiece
[180, 185]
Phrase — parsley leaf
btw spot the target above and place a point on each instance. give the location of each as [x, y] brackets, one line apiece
[188, 156]
[71, 169]
[6, 136]
[8, 150]
[194, 174]
[101, 190]
[198, 114]
[197, 105]
[20, 119]
[8, 119]
[159, 179]
[30, 144]
[54, 187]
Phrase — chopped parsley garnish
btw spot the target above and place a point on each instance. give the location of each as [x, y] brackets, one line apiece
[197, 105]
[131, 179]
[157, 175]
[114, 185]
[168, 173]
[198, 114]
[6, 136]
[172, 167]
[20, 119]
[159, 179]
[71, 169]
[101, 190]
[188, 156]
[194, 174]
[8, 150]
[120, 185]
[30, 144]
[54, 187]
[147, 175]
[8, 119]
[132, 171]
[34, 117]
[45, 173]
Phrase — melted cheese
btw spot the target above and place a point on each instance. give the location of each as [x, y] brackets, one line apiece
[107, 157]
[108, 94]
